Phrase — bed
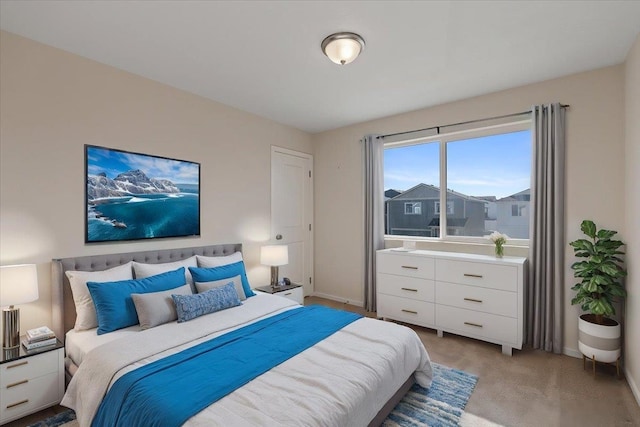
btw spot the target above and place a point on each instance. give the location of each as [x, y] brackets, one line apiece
[353, 377]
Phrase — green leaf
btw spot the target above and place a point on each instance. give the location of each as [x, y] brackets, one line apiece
[588, 227]
[605, 234]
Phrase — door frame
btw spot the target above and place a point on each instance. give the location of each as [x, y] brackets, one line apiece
[309, 207]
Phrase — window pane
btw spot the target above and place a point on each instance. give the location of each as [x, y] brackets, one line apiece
[488, 182]
[411, 179]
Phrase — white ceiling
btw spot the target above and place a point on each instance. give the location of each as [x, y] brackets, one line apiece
[264, 57]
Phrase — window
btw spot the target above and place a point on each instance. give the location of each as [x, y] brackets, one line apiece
[413, 208]
[487, 176]
[437, 208]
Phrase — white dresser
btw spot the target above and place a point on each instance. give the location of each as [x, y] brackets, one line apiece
[472, 295]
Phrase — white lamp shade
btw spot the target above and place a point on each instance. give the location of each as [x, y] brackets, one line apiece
[274, 255]
[18, 284]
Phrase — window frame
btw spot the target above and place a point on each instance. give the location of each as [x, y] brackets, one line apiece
[444, 138]
[414, 205]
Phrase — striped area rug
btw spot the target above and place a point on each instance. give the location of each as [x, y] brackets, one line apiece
[441, 405]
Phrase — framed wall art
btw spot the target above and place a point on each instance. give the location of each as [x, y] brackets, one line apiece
[131, 196]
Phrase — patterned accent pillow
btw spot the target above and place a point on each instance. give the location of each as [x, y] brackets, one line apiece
[191, 306]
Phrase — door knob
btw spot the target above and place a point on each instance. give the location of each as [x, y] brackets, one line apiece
[278, 236]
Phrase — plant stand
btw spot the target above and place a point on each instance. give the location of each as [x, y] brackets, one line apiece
[593, 362]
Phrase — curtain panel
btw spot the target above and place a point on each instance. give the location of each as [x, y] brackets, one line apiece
[544, 299]
[373, 213]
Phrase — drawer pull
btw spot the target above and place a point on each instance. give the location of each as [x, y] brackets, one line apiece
[18, 383]
[409, 267]
[13, 405]
[18, 364]
[479, 276]
[409, 289]
[473, 300]
[410, 311]
[473, 324]
[288, 293]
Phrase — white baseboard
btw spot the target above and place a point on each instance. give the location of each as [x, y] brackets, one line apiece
[572, 352]
[339, 299]
[634, 387]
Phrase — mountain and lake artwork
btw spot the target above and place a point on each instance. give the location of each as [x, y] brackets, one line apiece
[134, 196]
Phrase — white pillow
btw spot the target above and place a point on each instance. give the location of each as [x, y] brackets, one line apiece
[218, 261]
[85, 310]
[237, 283]
[147, 270]
[156, 308]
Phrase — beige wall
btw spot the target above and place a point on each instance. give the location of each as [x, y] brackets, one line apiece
[632, 209]
[53, 102]
[594, 171]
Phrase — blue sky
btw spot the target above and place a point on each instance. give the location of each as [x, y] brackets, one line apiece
[498, 165]
[115, 162]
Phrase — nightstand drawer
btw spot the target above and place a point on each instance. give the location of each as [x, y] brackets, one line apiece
[295, 294]
[476, 298]
[408, 287]
[30, 396]
[495, 276]
[405, 265]
[28, 368]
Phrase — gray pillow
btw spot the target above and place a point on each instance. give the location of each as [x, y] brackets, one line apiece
[156, 308]
[237, 283]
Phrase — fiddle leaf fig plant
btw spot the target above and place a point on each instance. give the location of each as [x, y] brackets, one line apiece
[600, 273]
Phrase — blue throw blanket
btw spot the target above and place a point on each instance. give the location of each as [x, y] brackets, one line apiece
[207, 372]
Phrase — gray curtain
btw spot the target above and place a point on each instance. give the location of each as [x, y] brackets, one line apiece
[544, 297]
[373, 214]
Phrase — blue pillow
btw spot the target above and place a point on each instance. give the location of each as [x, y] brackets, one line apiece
[191, 306]
[223, 272]
[114, 306]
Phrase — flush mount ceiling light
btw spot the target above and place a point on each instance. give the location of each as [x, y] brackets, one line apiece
[342, 48]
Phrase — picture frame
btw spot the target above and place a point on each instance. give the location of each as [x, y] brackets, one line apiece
[136, 196]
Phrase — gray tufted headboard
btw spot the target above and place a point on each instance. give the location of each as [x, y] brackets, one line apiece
[64, 310]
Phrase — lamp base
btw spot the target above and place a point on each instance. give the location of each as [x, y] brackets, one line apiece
[11, 327]
[274, 276]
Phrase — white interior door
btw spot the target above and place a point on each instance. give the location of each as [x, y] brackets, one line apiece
[292, 213]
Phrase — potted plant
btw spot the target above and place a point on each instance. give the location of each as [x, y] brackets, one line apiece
[600, 274]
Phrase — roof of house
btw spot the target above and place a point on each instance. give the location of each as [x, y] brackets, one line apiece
[522, 196]
[428, 191]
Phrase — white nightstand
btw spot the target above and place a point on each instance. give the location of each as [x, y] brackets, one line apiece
[293, 292]
[30, 380]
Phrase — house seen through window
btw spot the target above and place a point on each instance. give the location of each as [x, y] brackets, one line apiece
[487, 182]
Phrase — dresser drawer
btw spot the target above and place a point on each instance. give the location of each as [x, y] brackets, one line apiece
[407, 310]
[408, 287]
[405, 265]
[491, 301]
[479, 325]
[29, 367]
[487, 275]
[31, 396]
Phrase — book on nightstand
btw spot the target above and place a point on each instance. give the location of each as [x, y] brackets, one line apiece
[38, 344]
[42, 333]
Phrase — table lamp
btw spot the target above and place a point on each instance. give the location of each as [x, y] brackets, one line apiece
[275, 256]
[18, 285]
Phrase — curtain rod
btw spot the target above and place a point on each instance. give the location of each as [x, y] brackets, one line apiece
[437, 128]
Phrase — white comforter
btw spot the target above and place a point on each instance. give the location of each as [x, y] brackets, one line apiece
[343, 380]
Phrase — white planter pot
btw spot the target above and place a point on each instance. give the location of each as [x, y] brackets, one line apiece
[599, 342]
